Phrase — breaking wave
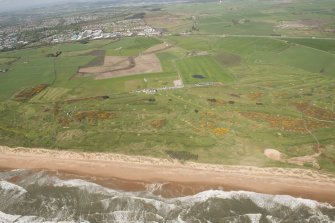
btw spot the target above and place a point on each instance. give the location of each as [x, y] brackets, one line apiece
[27, 196]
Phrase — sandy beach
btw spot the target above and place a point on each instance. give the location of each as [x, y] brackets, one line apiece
[296, 182]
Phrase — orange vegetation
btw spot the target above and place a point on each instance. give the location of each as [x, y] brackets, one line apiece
[286, 123]
[92, 116]
[85, 99]
[28, 93]
[208, 114]
[158, 123]
[315, 112]
[208, 120]
[254, 95]
[220, 131]
[213, 101]
[65, 122]
[208, 123]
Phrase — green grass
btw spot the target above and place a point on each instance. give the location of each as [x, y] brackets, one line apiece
[4, 61]
[227, 27]
[191, 43]
[202, 65]
[167, 59]
[50, 95]
[250, 47]
[324, 44]
[306, 58]
[130, 46]
[26, 73]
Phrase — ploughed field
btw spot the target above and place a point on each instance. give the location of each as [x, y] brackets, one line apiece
[240, 96]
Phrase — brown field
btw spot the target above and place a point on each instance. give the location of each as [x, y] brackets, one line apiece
[99, 58]
[166, 20]
[117, 66]
[148, 63]
[111, 63]
[302, 24]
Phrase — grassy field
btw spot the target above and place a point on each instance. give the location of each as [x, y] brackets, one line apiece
[259, 17]
[202, 65]
[130, 46]
[324, 45]
[276, 93]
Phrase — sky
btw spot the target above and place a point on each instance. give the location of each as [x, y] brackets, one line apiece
[9, 5]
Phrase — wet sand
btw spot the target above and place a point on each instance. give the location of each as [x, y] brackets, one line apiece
[135, 172]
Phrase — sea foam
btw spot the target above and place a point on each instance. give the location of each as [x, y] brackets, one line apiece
[10, 187]
[88, 201]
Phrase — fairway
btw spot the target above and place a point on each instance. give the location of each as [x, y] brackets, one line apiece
[26, 73]
[202, 65]
[130, 46]
[309, 59]
[324, 44]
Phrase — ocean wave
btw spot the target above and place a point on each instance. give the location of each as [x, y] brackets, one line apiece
[8, 218]
[10, 194]
[261, 200]
[154, 187]
[276, 206]
[5, 175]
[7, 187]
[51, 199]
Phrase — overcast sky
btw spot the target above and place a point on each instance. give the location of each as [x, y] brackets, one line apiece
[10, 5]
[22, 4]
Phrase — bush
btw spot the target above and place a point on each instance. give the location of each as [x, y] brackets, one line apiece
[182, 155]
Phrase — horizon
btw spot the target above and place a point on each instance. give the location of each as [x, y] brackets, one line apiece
[19, 5]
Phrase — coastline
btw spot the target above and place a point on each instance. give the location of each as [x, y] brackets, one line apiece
[302, 183]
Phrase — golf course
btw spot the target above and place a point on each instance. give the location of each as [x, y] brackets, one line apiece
[251, 84]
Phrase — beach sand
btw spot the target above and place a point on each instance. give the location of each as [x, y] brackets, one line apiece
[135, 171]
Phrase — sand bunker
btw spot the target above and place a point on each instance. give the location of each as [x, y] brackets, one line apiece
[273, 154]
[299, 160]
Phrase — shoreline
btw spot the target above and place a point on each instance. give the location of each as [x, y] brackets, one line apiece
[302, 183]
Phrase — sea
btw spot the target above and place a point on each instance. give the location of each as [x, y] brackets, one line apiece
[43, 196]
